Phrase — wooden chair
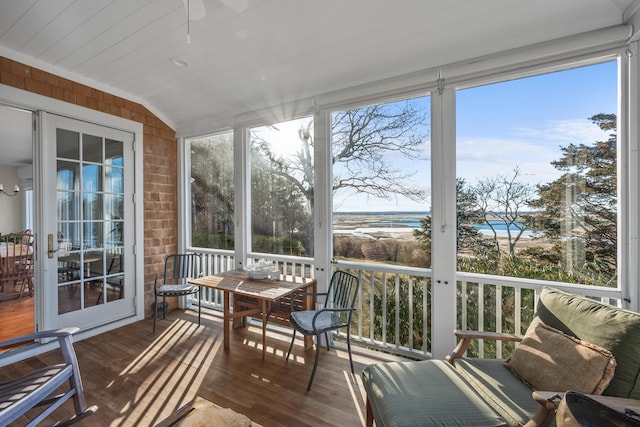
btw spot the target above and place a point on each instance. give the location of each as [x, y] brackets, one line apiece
[178, 268]
[26, 238]
[16, 263]
[338, 309]
[47, 387]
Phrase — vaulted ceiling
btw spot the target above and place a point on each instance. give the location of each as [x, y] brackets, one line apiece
[245, 55]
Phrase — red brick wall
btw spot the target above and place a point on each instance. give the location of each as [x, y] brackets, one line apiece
[160, 157]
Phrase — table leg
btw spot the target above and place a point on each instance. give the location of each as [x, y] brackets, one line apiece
[309, 304]
[265, 316]
[227, 319]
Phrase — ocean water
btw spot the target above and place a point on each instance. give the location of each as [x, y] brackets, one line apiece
[411, 220]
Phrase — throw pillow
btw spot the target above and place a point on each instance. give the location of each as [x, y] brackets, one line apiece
[548, 359]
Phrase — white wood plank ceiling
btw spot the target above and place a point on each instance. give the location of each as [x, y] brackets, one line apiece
[268, 52]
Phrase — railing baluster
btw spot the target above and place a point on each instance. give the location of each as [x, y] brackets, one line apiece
[463, 305]
[372, 314]
[517, 311]
[498, 319]
[425, 315]
[410, 313]
[481, 317]
[384, 304]
[396, 302]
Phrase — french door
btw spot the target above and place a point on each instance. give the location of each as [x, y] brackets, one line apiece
[87, 177]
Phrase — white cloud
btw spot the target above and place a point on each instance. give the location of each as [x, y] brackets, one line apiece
[564, 132]
[531, 150]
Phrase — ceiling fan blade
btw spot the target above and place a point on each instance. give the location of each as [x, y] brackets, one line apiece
[195, 9]
[238, 6]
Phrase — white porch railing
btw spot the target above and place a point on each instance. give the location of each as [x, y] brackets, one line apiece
[403, 327]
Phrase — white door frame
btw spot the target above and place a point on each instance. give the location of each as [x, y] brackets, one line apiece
[96, 314]
[34, 102]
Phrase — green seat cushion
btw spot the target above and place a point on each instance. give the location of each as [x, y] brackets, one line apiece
[502, 390]
[609, 327]
[425, 393]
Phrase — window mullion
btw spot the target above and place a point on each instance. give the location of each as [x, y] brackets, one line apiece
[242, 180]
[443, 217]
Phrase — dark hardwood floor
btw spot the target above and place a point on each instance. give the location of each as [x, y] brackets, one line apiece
[138, 378]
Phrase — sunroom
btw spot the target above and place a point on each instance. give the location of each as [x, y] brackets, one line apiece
[457, 158]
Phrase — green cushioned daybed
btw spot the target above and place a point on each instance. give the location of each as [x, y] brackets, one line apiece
[485, 392]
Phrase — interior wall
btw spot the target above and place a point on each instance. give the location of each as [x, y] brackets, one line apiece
[159, 157]
[11, 220]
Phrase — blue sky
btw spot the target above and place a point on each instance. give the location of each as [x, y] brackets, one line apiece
[520, 123]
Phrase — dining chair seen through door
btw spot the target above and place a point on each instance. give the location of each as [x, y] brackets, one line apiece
[336, 313]
[178, 269]
[16, 265]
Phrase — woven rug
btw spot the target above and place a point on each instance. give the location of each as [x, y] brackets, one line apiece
[202, 413]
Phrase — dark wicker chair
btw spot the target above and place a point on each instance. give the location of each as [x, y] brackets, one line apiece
[178, 268]
[338, 309]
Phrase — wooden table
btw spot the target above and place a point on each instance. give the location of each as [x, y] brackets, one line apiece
[87, 260]
[264, 292]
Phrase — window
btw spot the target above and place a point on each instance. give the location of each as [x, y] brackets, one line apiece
[282, 188]
[212, 191]
[381, 183]
[536, 174]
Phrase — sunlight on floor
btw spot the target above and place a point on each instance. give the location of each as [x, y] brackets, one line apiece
[356, 397]
[174, 365]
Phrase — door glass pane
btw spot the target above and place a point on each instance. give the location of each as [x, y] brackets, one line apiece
[68, 237]
[113, 152]
[92, 235]
[114, 206]
[114, 237]
[113, 179]
[90, 207]
[68, 298]
[68, 206]
[91, 148]
[68, 175]
[68, 144]
[91, 177]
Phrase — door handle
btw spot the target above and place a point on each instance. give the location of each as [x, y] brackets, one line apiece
[50, 250]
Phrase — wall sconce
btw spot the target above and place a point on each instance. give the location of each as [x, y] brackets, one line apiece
[16, 190]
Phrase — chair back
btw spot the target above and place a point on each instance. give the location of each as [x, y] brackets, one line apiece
[26, 237]
[178, 267]
[16, 259]
[343, 290]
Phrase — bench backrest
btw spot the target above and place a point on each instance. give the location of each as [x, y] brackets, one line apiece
[615, 329]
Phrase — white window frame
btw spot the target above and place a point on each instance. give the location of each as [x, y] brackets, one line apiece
[555, 55]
